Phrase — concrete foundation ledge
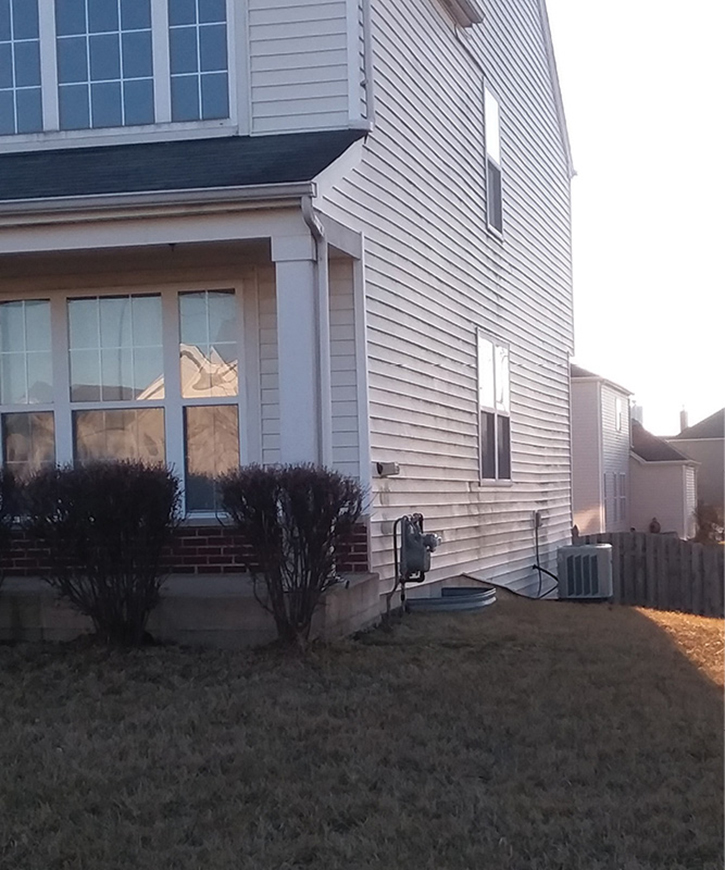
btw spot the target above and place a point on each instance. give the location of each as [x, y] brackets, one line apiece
[202, 610]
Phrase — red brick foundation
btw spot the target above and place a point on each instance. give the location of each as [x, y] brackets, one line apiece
[197, 550]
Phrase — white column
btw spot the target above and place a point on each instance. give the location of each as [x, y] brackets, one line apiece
[298, 349]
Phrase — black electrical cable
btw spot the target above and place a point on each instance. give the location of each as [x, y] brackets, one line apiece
[537, 566]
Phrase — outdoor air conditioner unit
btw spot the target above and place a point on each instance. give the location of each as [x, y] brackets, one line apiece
[585, 571]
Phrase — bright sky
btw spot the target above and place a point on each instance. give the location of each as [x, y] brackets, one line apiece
[642, 82]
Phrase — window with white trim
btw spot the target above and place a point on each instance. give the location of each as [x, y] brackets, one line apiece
[492, 122]
[494, 407]
[112, 63]
[148, 376]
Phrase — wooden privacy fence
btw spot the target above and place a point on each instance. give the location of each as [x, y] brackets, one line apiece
[664, 572]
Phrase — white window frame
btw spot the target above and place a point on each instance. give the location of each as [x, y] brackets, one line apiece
[495, 408]
[172, 403]
[492, 143]
[163, 128]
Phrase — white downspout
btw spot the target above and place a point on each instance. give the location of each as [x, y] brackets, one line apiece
[322, 278]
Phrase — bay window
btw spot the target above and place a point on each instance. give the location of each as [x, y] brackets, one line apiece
[149, 376]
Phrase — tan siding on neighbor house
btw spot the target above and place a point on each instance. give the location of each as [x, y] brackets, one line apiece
[434, 274]
[586, 454]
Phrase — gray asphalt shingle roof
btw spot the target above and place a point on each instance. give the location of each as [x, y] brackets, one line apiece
[651, 448]
[232, 161]
[711, 427]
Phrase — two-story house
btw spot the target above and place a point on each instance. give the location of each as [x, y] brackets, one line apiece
[335, 232]
[601, 441]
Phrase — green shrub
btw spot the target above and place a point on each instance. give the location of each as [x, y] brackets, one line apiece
[105, 525]
[293, 517]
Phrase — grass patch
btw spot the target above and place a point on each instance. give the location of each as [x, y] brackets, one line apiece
[531, 735]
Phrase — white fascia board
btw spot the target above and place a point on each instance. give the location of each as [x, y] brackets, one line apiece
[263, 195]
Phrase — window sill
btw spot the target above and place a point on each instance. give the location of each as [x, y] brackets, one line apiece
[484, 483]
[55, 140]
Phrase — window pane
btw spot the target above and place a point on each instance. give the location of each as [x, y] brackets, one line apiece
[146, 319]
[27, 64]
[504, 448]
[503, 389]
[135, 14]
[40, 378]
[6, 66]
[185, 98]
[214, 96]
[30, 111]
[25, 19]
[213, 47]
[105, 57]
[493, 196]
[5, 20]
[25, 376]
[208, 349]
[485, 373]
[137, 55]
[212, 449]
[72, 60]
[85, 376]
[102, 15]
[120, 434]
[212, 10]
[117, 374]
[7, 113]
[106, 104]
[12, 326]
[488, 445]
[70, 17]
[493, 134]
[183, 49]
[138, 102]
[182, 12]
[28, 442]
[74, 108]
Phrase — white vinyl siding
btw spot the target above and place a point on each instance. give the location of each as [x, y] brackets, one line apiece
[298, 61]
[433, 274]
[269, 365]
[343, 365]
[586, 456]
[615, 454]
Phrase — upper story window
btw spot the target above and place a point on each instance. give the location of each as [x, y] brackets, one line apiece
[111, 63]
[494, 405]
[492, 121]
[20, 92]
[198, 47]
[105, 63]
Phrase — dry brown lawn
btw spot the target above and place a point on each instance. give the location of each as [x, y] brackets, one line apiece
[531, 735]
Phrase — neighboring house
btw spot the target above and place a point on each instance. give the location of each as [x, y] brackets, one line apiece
[664, 485]
[600, 433]
[705, 443]
[271, 232]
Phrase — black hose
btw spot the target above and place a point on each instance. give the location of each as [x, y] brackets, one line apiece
[537, 566]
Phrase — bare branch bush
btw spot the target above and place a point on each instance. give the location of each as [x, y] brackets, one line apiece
[105, 526]
[293, 517]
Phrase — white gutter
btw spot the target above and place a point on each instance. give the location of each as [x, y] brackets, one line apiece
[323, 329]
